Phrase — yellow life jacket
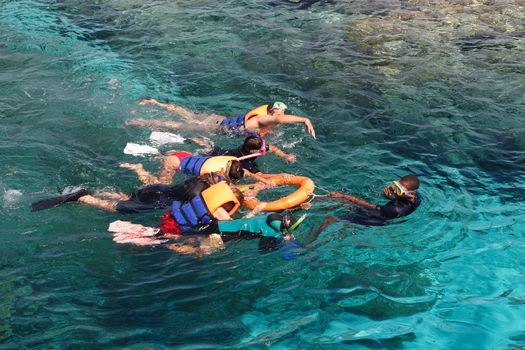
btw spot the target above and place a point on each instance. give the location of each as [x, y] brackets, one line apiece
[216, 164]
[218, 195]
[261, 110]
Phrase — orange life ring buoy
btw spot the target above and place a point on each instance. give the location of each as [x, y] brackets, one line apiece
[301, 195]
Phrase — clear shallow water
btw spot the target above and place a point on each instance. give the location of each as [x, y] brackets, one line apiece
[391, 87]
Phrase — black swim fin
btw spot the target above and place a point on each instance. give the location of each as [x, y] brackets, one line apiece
[53, 202]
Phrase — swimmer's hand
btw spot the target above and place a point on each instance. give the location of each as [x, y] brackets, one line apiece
[305, 206]
[290, 158]
[151, 101]
[136, 122]
[336, 195]
[309, 127]
[131, 166]
[389, 192]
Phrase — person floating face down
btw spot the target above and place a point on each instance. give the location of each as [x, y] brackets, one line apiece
[404, 199]
[260, 119]
[176, 161]
[216, 160]
[275, 232]
[151, 197]
[186, 163]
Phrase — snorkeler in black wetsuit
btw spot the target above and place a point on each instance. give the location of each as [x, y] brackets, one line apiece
[404, 199]
[157, 196]
[252, 144]
[161, 196]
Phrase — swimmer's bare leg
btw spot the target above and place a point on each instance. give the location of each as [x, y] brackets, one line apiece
[170, 167]
[167, 124]
[154, 124]
[183, 112]
[203, 142]
[144, 176]
[119, 196]
[110, 206]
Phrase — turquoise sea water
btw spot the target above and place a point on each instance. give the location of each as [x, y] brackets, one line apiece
[393, 87]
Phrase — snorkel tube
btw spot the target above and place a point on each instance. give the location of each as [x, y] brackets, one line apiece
[296, 224]
[291, 248]
[261, 152]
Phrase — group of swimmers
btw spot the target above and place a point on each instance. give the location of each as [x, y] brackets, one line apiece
[200, 215]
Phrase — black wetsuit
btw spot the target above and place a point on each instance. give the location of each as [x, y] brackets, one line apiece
[161, 196]
[396, 208]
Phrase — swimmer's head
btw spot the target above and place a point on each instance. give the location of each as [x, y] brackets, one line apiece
[234, 170]
[277, 106]
[252, 144]
[410, 182]
[284, 223]
[405, 187]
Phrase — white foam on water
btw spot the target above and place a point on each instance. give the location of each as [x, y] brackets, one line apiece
[71, 189]
[139, 150]
[11, 197]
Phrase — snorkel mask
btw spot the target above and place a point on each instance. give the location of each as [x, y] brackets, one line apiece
[260, 152]
[398, 188]
[290, 228]
[227, 171]
[401, 190]
[286, 224]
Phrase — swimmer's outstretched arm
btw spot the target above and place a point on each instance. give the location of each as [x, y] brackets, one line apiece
[280, 153]
[313, 235]
[258, 208]
[260, 177]
[352, 199]
[269, 120]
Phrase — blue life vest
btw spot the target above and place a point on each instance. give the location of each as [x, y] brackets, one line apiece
[234, 122]
[191, 214]
[192, 165]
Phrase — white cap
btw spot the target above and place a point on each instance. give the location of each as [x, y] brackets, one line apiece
[278, 105]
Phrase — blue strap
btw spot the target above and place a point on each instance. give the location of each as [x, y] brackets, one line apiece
[234, 122]
[192, 165]
[191, 214]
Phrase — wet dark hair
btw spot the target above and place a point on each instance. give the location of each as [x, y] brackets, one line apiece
[251, 144]
[411, 182]
[236, 171]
